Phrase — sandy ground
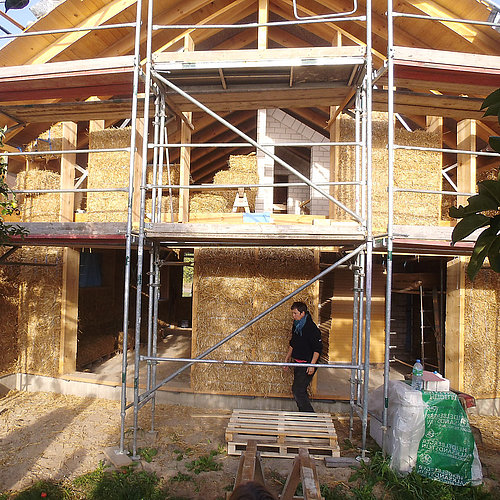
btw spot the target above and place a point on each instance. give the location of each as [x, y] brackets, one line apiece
[46, 435]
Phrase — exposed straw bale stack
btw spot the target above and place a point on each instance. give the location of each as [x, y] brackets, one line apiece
[50, 140]
[39, 328]
[9, 303]
[108, 170]
[165, 200]
[39, 207]
[242, 170]
[482, 335]
[231, 286]
[413, 170]
[206, 202]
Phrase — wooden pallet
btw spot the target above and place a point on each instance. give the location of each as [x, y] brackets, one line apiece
[282, 433]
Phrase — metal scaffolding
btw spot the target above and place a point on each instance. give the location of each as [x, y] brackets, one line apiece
[157, 113]
[157, 83]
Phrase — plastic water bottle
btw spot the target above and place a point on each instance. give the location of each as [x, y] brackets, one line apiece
[417, 376]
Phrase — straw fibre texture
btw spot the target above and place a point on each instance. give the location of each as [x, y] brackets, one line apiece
[231, 287]
[412, 170]
[482, 335]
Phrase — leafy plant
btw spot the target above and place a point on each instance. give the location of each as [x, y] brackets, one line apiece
[205, 463]
[180, 477]
[8, 202]
[181, 454]
[482, 209]
[147, 454]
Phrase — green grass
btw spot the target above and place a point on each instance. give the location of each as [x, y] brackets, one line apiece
[409, 487]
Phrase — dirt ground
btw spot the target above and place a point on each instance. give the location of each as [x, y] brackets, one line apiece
[46, 435]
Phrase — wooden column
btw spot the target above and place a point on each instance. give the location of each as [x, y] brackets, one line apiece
[71, 257]
[136, 198]
[334, 128]
[262, 30]
[334, 160]
[68, 162]
[455, 323]
[69, 310]
[185, 152]
[466, 164]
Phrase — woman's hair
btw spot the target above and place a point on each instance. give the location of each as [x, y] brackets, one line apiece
[251, 490]
[300, 306]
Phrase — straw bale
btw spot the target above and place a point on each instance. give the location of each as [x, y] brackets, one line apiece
[108, 170]
[174, 174]
[205, 202]
[39, 327]
[247, 281]
[412, 169]
[9, 303]
[242, 170]
[482, 334]
[39, 207]
[50, 140]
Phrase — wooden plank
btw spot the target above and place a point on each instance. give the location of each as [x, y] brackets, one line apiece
[466, 164]
[262, 31]
[246, 58]
[455, 323]
[444, 59]
[85, 68]
[72, 111]
[68, 164]
[69, 311]
[138, 159]
[185, 152]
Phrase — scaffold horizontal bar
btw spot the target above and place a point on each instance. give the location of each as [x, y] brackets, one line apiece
[241, 362]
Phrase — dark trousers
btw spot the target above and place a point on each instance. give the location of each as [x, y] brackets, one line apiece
[301, 381]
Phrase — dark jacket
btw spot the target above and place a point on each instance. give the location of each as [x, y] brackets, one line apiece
[309, 342]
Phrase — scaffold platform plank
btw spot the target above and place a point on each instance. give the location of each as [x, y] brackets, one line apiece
[281, 433]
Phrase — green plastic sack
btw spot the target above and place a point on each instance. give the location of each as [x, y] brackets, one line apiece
[446, 451]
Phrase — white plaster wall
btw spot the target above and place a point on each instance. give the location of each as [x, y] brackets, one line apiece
[276, 126]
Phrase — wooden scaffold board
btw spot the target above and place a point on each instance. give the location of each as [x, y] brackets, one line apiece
[282, 433]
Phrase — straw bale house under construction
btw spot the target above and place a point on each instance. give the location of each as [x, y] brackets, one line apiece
[233, 165]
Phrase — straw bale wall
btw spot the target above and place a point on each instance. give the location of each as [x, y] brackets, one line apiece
[108, 170]
[482, 335]
[39, 207]
[412, 169]
[37, 291]
[232, 286]
[9, 304]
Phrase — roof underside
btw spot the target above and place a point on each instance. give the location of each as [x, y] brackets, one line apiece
[99, 64]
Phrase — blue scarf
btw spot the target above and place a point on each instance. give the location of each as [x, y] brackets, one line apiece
[298, 324]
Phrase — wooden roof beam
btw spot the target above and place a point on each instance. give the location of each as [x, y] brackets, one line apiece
[468, 32]
[63, 41]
